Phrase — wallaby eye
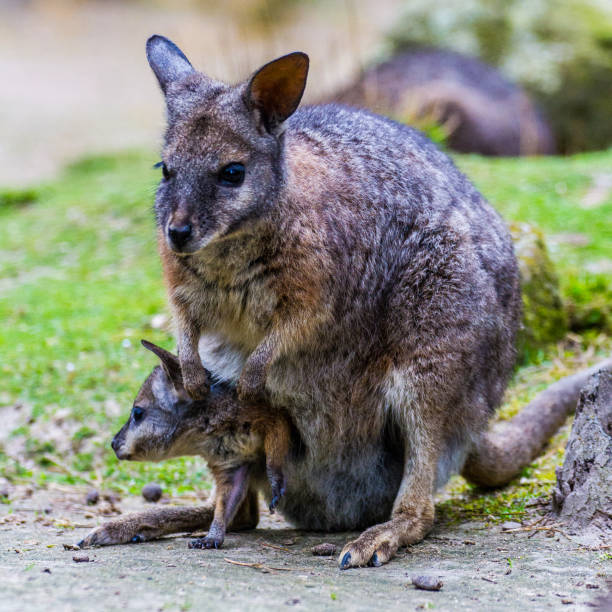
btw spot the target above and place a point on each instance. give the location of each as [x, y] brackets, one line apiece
[165, 172]
[232, 175]
[137, 414]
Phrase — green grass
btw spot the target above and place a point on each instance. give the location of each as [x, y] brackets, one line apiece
[80, 282]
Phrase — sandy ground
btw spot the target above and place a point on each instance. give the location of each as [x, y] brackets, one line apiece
[75, 78]
[481, 568]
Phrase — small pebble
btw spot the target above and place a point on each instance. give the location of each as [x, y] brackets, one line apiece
[510, 525]
[324, 550]
[80, 559]
[591, 586]
[70, 547]
[93, 497]
[152, 492]
[427, 583]
[46, 571]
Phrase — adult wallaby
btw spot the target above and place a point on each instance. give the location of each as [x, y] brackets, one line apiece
[244, 445]
[338, 264]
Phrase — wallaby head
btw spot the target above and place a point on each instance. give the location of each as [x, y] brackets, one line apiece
[222, 159]
[161, 423]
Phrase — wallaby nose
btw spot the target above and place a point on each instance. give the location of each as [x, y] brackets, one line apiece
[179, 235]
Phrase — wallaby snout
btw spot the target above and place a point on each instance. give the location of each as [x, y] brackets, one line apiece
[179, 235]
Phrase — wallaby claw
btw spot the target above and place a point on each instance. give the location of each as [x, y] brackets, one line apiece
[277, 484]
[207, 542]
[346, 561]
[374, 561]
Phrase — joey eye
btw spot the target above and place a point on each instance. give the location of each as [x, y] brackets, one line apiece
[137, 414]
[232, 175]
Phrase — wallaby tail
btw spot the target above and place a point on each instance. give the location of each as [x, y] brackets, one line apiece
[502, 452]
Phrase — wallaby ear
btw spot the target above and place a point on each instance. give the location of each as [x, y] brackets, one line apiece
[276, 89]
[167, 61]
[170, 363]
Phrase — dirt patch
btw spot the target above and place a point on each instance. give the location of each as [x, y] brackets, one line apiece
[480, 568]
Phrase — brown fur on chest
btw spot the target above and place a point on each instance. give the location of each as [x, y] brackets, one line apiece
[238, 285]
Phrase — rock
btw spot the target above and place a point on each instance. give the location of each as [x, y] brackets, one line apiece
[508, 525]
[152, 492]
[92, 498]
[324, 550]
[544, 315]
[80, 559]
[582, 498]
[427, 583]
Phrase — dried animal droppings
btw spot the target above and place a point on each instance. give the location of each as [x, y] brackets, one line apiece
[152, 492]
[427, 583]
[324, 550]
[112, 498]
[80, 559]
[92, 498]
[70, 547]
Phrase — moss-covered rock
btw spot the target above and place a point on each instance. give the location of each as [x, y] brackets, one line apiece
[544, 316]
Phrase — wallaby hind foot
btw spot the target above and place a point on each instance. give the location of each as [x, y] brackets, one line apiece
[149, 525]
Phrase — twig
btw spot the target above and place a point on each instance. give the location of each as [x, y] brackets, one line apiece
[265, 568]
[274, 546]
[531, 528]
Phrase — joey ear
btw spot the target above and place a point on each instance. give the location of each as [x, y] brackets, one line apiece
[276, 89]
[167, 61]
[170, 363]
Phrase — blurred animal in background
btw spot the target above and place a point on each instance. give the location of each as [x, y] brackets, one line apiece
[478, 109]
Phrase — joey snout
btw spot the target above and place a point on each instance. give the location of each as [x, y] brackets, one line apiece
[118, 445]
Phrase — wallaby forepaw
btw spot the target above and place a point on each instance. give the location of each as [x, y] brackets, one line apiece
[251, 385]
[195, 381]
